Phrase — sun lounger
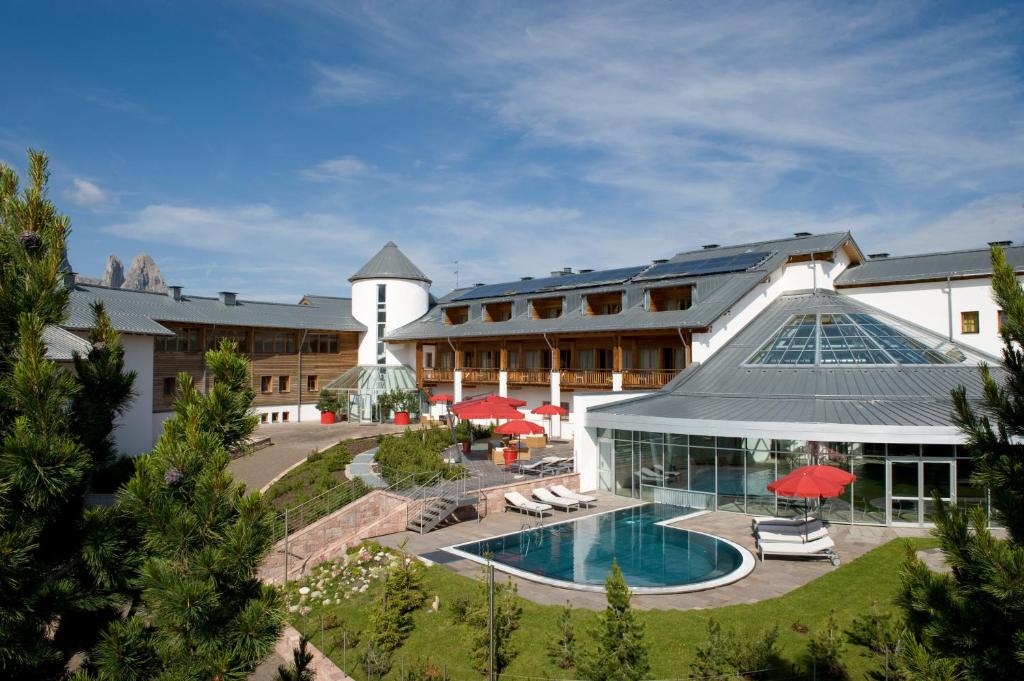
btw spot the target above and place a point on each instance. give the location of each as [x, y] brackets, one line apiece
[545, 496]
[558, 464]
[819, 548]
[791, 537]
[517, 501]
[534, 467]
[566, 493]
[802, 528]
[772, 520]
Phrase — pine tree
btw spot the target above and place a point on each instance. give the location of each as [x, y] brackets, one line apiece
[201, 613]
[507, 613]
[299, 671]
[971, 621]
[621, 653]
[63, 567]
[562, 649]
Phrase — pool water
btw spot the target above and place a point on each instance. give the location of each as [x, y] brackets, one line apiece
[653, 557]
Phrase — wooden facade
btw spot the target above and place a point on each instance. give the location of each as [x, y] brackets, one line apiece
[281, 367]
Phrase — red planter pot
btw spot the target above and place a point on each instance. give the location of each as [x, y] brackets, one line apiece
[511, 454]
[401, 418]
[466, 447]
[327, 417]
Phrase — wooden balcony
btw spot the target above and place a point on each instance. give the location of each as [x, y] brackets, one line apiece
[470, 375]
[646, 378]
[432, 375]
[529, 377]
[587, 378]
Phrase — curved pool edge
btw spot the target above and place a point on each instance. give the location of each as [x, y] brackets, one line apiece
[746, 566]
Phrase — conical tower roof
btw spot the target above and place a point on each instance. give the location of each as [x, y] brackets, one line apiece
[390, 263]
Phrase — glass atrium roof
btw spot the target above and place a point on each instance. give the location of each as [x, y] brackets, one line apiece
[850, 339]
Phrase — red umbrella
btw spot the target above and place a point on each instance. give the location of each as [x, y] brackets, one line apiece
[550, 410]
[812, 482]
[484, 408]
[519, 428]
[443, 397]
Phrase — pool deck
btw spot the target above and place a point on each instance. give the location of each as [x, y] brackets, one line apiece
[774, 577]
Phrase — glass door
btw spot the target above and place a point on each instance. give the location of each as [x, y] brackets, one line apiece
[936, 476]
[911, 483]
[605, 473]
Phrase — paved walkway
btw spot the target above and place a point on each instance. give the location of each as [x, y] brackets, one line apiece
[770, 579]
[362, 467]
[292, 444]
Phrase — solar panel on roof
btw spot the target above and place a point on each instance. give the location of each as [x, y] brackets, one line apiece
[705, 266]
[567, 281]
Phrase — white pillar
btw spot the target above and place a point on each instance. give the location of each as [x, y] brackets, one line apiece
[458, 386]
[617, 381]
[556, 399]
[503, 383]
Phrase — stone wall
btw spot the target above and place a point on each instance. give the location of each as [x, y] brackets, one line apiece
[493, 500]
[321, 665]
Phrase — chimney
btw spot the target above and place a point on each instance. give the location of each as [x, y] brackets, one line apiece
[585, 271]
[877, 256]
[228, 297]
[660, 261]
[525, 278]
[174, 292]
[556, 273]
[1004, 244]
[708, 247]
[798, 234]
[69, 280]
[479, 283]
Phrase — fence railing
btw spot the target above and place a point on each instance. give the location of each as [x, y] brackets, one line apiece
[438, 375]
[587, 377]
[470, 375]
[646, 378]
[529, 376]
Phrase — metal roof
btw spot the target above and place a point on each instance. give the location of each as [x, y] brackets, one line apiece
[928, 266]
[61, 344]
[141, 311]
[724, 388]
[390, 263]
[714, 295]
[374, 378]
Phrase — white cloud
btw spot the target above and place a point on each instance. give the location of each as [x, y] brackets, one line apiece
[341, 169]
[86, 193]
[999, 217]
[353, 85]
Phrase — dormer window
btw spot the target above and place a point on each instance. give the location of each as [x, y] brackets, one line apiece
[456, 315]
[498, 312]
[669, 299]
[546, 308]
[604, 303]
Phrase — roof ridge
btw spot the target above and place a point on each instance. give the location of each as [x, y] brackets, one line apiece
[766, 241]
[935, 253]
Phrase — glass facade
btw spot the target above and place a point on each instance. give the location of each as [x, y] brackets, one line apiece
[895, 482]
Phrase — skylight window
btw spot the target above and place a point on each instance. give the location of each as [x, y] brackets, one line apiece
[848, 339]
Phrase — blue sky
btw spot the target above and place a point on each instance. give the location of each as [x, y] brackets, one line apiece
[271, 148]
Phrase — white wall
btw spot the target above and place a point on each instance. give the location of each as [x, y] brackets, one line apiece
[406, 302]
[585, 439]
[794, 277]
[133, 431]
[927, 304]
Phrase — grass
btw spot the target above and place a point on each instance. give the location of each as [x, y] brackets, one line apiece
[672, 635]
[320, 472]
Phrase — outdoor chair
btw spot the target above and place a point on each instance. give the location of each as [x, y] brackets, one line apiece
[547, 497]
[774, 520]
[518, 502]
[566, 493]
[772, 533]
[819, 548]
[532, 468]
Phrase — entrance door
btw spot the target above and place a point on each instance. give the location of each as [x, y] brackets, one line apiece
[605, 472]
[911, 482]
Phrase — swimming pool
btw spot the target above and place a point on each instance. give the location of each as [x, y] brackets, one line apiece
[654, 558]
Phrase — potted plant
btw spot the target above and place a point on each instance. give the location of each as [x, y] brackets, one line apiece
[400, 403]
[327, 404]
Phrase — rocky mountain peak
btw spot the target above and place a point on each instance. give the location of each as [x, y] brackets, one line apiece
[144, 275]
[113, 275]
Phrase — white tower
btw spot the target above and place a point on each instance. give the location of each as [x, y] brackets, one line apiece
[388, 292]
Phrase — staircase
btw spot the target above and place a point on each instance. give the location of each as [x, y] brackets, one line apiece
[434, 502]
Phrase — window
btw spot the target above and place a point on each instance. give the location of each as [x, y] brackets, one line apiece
[284, 416]
[263, 417]
[969, 322]
[546, 308]
[312, 384]
[269, 342]
[669, 299]
[497, 312]
[456, 315]
[183, 340]
[322, 343]
[382, 295]
[604, 303]
[170, 384]
[266, 384]
[382, 319]
[284, 384]
[240, 338]
[273, 417]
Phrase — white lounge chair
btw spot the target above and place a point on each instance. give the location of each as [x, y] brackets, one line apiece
[517, 501]
[819, 548]
[545, 496]
[791, 537]
[772, 520]
[566, 493]
[800, 528]
[533, 468]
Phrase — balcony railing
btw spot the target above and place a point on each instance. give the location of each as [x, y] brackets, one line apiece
[470, 375]
[432, 375]
[591, 378]
[646, 378]
[529, 376]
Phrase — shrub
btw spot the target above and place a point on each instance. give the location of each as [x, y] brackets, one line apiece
[562, 650]
[415, 453]
[825, 650]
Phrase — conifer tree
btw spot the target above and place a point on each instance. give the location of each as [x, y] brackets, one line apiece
[971, 621]
[621, 653]
[202, 612]
[62, 566]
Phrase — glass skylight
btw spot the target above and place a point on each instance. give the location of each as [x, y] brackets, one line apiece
[849, 339]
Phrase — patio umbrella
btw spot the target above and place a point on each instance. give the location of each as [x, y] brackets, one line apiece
[812, 482]
[491, 407]
[549, 410]
[443, 397]
[519, 428]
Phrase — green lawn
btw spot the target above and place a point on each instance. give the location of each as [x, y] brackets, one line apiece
[672, 635]
[320, 472]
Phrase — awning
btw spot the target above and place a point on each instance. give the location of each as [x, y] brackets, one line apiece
[374, 379]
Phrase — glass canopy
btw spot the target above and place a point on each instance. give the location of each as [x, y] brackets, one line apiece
[845, 339]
